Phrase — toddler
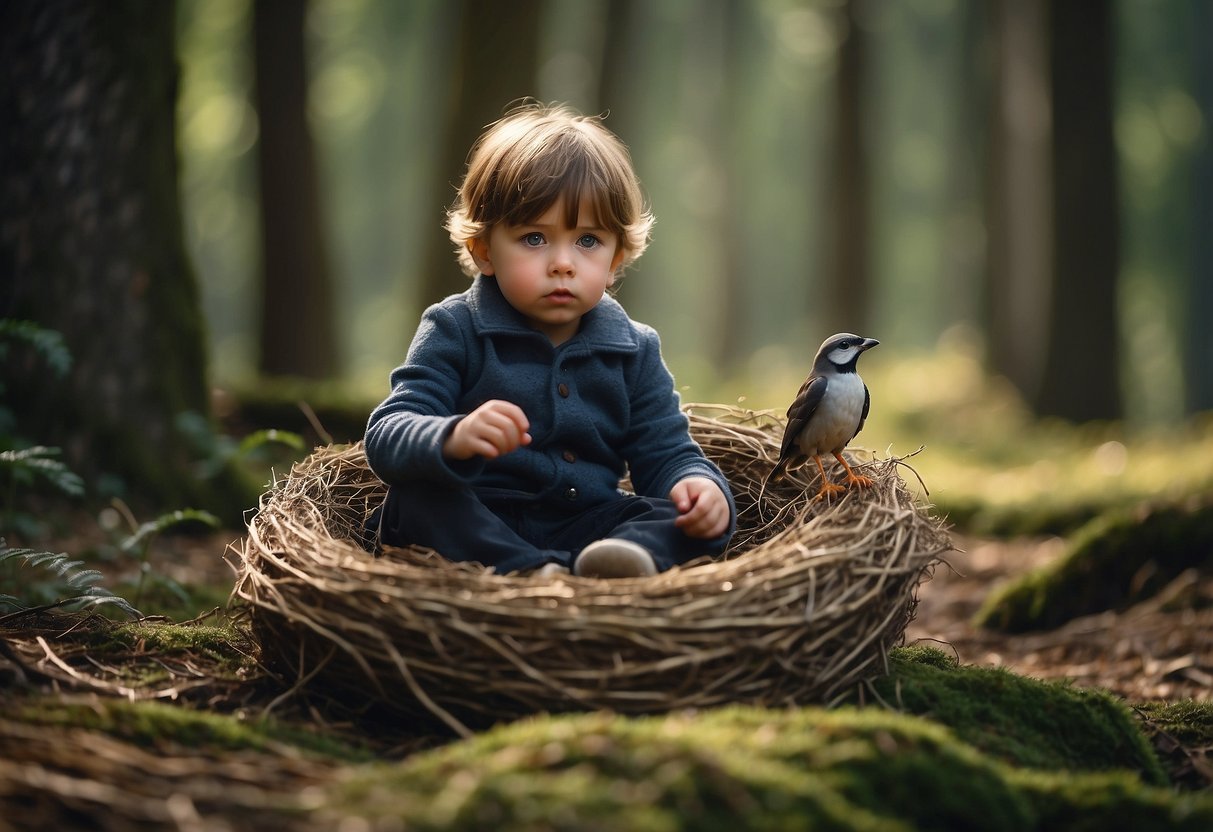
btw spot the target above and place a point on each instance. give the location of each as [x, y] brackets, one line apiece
[524, 400]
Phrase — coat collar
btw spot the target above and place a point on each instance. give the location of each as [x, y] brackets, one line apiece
[606, 327]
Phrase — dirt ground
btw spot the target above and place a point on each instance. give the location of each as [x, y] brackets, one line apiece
[1160, 649]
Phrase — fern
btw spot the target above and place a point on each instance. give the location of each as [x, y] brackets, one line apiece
[142, 538]
[40, 462]
[65, 583]
[141, 542]
[46, 342]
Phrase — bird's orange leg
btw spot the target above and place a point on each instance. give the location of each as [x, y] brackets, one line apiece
[852, 478]
[828, 489]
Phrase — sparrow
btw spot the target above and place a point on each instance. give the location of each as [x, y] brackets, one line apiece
[828, 412]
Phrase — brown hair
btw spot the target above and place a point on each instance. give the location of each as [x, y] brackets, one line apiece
[536, 154]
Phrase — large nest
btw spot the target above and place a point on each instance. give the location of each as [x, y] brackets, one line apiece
[806, 602]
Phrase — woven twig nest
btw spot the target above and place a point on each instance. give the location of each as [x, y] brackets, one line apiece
[806, 601]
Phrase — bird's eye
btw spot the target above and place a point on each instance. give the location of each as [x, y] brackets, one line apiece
[842, 345]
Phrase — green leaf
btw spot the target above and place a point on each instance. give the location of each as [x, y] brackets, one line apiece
[166, 521]
[260, 438]
[40, 461]
[66, 585]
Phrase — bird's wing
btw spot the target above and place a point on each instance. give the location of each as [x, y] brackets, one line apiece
[867, 403]
[802, 410]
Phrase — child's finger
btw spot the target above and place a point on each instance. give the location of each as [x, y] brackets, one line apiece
[708, 519]
[511, 423]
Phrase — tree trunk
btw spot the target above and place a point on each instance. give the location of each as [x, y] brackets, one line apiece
[496, 64]
[297, 319]
[848, 273]
[1198, 342]
[1018, 207]
[618, 57]
[91, 242]
[1081, 380]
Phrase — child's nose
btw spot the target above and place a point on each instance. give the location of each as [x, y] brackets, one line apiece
[561, 262]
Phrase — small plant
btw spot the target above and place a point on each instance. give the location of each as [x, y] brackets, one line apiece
[59, 583]
[24, 466]
[217, 451]
[27, 466]
[139, 545]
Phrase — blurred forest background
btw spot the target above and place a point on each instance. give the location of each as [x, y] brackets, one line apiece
[1025, 180]
[1014, 196]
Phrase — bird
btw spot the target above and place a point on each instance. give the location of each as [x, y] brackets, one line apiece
[828, 412]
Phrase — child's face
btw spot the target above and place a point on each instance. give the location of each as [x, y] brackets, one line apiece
[549, 272]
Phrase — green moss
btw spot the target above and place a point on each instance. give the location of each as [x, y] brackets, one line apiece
[222, 642]
[1112, 562]
[223, 649]
[163, 726]
[803, 769]
[1182, 732]
[1188, 721]
[1017, 719]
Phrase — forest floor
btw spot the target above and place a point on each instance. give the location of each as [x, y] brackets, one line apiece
[1159, 650]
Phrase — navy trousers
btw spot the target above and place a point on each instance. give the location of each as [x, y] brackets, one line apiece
[511, 536]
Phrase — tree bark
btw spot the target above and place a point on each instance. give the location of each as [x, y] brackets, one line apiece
[298, 336]
[848, 281]
[1018, 207]
[618, 57]
[1081, 380]
[1198, 341]
[91, 243]
[496, 64]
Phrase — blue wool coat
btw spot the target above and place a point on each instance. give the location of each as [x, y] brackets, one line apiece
[599, 405]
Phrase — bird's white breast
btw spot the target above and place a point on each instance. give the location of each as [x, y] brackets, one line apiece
[837, 417]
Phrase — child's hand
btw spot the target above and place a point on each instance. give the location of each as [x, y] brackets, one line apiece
[703, 507]
[495, 428]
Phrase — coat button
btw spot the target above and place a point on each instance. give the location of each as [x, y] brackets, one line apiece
[570, 494]
[563, 390]
[569, 456]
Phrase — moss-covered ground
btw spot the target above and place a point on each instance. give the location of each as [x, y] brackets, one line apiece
[1113, 561]
[168, 727]
[932, 745]
[1016, 719]
[848, 769]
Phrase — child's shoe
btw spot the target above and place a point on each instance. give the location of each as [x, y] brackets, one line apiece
[613, 557]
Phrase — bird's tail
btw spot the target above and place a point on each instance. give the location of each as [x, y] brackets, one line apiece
[775, 476]
[777, 472]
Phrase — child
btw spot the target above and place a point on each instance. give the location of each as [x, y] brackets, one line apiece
[524, 400]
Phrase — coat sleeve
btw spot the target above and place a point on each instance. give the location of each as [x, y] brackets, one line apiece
[405, 433]
[659, 450]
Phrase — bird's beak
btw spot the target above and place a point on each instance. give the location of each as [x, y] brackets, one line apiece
[868, 343]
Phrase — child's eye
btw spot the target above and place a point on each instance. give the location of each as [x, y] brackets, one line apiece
[533, 239]
[588, 241]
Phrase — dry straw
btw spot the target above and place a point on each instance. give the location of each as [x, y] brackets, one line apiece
[806, 602]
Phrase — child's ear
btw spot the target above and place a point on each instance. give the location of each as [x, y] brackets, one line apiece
[478, 247]
[616, 262]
